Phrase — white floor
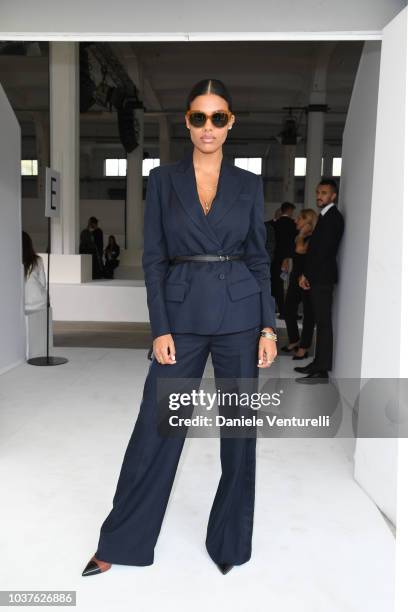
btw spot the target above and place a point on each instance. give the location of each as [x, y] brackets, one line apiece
[319, 545]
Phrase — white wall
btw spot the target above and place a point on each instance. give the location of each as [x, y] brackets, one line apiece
[355, 204]
[371, 323]
[12, 325]
[375, 460]
[384, 323]
[179, 17]
[384, 353]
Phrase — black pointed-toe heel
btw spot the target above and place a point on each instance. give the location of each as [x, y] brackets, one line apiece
[224, 568]
[96, 566]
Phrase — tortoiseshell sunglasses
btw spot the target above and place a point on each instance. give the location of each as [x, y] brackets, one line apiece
[198, 119]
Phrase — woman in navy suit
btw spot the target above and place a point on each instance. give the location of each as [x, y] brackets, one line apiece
[207, 275]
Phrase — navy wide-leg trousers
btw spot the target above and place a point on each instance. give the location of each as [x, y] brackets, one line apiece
[130, 532]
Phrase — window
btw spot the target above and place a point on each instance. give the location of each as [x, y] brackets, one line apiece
[253, 164]
[29, 167]
[118, 167]
[300, 166]
[148, 164]
[336, 167]
[115, 167]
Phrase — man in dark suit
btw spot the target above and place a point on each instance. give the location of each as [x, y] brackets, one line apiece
[319, 277]
[285, 233]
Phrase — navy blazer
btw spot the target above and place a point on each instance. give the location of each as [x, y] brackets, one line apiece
[206, 297]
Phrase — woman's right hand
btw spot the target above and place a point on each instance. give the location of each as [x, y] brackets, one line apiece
[164, 349]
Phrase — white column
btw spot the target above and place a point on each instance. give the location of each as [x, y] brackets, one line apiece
[134, 198]
[64, 127]
[314, 152]
[315, 125]
[288, 187]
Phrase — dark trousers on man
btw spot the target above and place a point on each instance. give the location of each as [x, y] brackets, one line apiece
[322, 299]
[97, 265]
[294, 296]
[129, 533]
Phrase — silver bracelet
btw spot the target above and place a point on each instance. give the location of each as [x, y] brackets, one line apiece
[267, 334]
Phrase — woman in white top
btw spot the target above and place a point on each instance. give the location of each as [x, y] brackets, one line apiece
[35, 280]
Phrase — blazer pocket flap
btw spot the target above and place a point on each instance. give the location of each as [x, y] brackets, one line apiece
[175, 292]
[243, 288]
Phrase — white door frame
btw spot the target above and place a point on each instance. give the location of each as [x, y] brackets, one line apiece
[195, 36]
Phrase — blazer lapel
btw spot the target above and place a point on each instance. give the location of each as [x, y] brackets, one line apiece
[229, 185]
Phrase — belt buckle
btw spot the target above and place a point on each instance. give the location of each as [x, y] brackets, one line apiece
[224, 257]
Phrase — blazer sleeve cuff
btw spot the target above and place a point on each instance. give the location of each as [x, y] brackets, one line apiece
[268, 307]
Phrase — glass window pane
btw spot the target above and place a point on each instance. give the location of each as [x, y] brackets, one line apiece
[111, 167]
[336, 168]
[148, 164]
[241, 162]
[122, 166]
[35, 167]
[300, 166]
[255, 165]
[26, 167]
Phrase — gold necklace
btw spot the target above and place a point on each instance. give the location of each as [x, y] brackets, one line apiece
[212, 187]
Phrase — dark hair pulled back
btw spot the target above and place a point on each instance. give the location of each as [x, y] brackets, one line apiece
[206, 86]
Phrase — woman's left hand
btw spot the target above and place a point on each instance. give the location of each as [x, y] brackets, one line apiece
[267, 352]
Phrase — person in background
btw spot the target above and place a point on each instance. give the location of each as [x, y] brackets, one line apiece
[319, 277]
[285, 233]
[91, 243]
[305, 224]
[111, 254]
[35, 286]
[270, 238]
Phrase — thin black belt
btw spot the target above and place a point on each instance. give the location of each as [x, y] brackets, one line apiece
[181, 258]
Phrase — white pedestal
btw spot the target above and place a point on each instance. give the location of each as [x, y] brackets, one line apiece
[73, 269]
